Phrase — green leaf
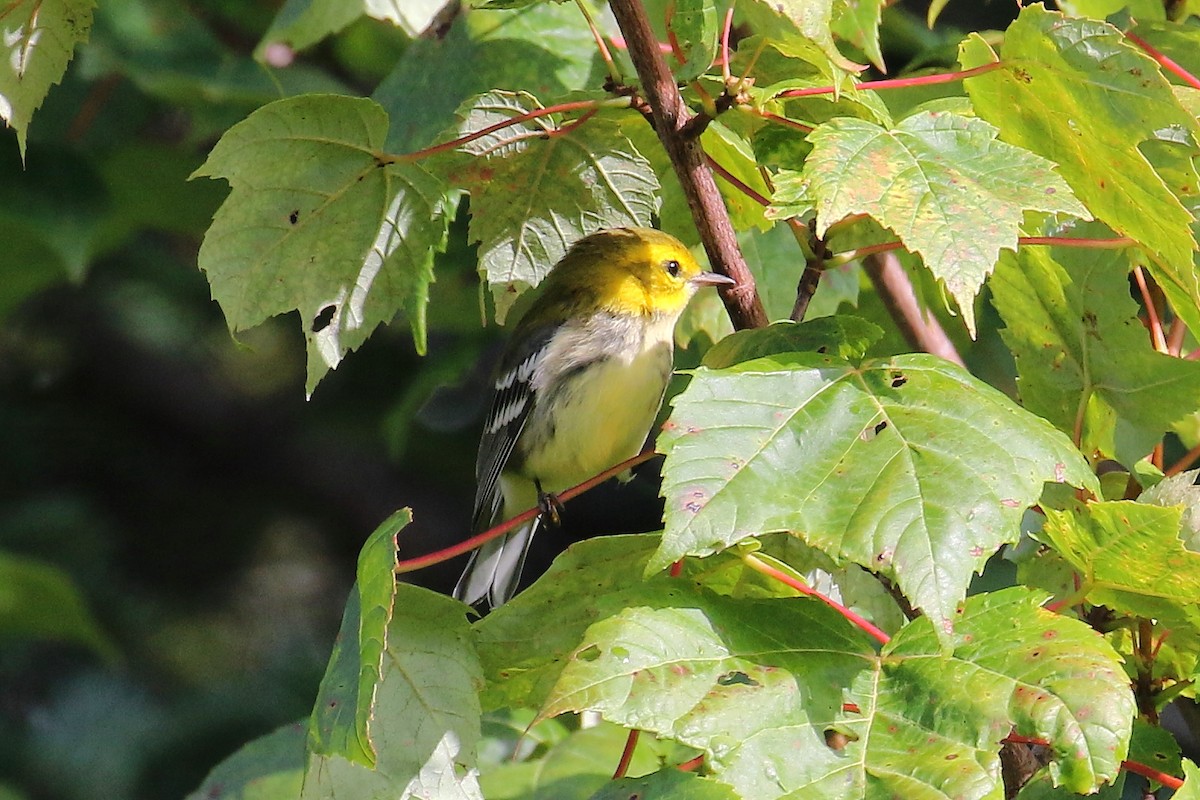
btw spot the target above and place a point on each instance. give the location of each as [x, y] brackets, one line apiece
[684, 667]
[270, 767]
[736, 157]
[341, 721]
[1014, 667]
[1130, 558]
[1057, 72]
[1180, 490]
[1084, 360]
[1191, 784]
[666, 784]
[749, 681]
[423, 712]
[303, 23]
[695, 25]
[523, 643]
[536, 189]
[801, 28]
[39, 39]
[39, 601]
[545, 46]
[571, 769]
[947, 187]
[843, 336]
[321, 221]
[60, 200]
[1102, 9]
[857, 21]
[908, 466]
[1155, 747]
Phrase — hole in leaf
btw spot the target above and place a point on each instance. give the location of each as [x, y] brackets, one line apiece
[837, 740]
[589, 653]
[736, 677]
[323, 318]
[294, 217]
[898, 380]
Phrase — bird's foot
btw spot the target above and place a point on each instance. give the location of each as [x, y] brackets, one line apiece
[550, 508]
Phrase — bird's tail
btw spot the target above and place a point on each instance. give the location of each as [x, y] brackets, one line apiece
[495, 569]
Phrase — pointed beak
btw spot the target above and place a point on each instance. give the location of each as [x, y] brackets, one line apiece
[712, 279]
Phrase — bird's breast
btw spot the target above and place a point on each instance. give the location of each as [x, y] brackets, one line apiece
[600, 408]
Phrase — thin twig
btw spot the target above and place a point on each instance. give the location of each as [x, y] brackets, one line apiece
[1183, 463]
[1156, 328]
[627, 754]
[671, 115]
[857, 620]
[1167, 63]
[899, 83]
[610, 65]
[616, 102]
[1114, 243]
[920, 329]
[438, 556]
[725, 74]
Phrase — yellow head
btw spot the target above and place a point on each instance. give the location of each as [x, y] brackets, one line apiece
[630, 271]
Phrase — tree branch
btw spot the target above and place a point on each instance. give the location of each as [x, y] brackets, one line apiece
[921, 330]
[670, 118]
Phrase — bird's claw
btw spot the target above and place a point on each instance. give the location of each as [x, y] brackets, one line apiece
[550, 508]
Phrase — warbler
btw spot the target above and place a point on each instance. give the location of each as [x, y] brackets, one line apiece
[577, 387]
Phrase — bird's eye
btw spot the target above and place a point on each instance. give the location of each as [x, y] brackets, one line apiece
[672, 268]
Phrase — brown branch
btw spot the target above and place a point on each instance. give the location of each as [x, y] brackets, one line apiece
[708, 211]
[921, 330]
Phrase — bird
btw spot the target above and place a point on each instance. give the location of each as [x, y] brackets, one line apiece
[577, 387]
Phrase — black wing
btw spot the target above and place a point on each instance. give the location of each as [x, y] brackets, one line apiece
[512, 400]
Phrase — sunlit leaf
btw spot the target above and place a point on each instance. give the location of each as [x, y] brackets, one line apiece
[536, 188]
[1074, 91]
[908, 466]
[767, 703]
[320, 221]
[1084, 360]
[943, 183]
[1130, 557]
[37, 41]
[423, 710]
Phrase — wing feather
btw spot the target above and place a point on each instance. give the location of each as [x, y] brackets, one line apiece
[512, 400]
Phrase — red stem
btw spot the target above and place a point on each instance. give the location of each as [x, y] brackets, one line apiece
[1156, 328]
[672, 39]
[1167, 63]
[627, 754]
[899, 83]
[803, 588]
[1061, 241]
[791, 123]
[438, 556]
[490, 129]
[691, 764]
[1170, 781]
[725, 44]
[735, 182]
